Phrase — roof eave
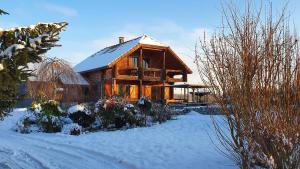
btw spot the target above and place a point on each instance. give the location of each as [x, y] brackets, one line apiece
[189, 71]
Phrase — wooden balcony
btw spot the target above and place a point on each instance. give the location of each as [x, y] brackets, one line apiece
[150, 74]
[130, 73]
[171, 75]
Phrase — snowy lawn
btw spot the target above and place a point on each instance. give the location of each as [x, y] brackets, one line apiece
[177, 144]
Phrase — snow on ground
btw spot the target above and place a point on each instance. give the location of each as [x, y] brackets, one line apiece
[178, 144]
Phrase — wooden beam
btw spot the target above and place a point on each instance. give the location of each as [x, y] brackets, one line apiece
[163, 92]
[184, 76]
[102, 89]
[150, 78]
[127, 77]
[140, 88]
[164, 73]
[140, 65]
[184, 97]
[113, 86]
[193, 95]
[115, 72]
[174, 71]
[153, 47]
[152, 69]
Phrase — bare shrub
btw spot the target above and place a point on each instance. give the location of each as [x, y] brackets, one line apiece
[252, 64]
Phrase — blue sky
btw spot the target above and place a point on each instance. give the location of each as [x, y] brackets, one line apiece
[94, 24]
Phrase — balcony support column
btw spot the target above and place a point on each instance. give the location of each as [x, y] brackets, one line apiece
[164, 77]
[140, 73]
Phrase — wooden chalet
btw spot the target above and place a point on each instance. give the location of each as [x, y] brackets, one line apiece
[134, 68]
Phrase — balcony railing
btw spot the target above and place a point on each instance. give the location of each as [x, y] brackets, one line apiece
[150, 74]
[130, 73]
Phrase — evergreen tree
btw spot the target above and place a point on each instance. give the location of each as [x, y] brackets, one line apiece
[18, 48]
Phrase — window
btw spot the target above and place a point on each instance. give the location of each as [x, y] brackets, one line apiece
[134, 62]
[145, 63]
[123, 90]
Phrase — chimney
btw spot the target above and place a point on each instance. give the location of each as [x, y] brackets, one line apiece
[121, 39]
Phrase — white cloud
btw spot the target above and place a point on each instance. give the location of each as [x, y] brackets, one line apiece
[66, 11]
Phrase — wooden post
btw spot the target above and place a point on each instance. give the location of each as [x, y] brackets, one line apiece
[140, 73]
[140, 64]
[115, 72]
[188, 94]
[184, 76]
[102, 89]
[184, 97]
[164, 73]
[193, 96]
[140, 88]
[164, 76]
[113, 86]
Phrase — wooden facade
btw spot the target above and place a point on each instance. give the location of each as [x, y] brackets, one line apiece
[145, 70]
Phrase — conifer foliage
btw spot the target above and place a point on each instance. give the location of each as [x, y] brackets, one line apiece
[19, 47]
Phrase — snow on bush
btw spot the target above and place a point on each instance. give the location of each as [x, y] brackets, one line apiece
[65, 120]
[116, 113]
[72, 129]
[97, 124]
[42, 116]
[79, 107]
[51, 107]
[27, 124]
[82, 115]
[50, 123]
[161, 113]
[144, 103]
[36, 107]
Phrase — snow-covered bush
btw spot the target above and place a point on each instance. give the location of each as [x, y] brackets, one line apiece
[35, 107]
[27, 124]
[97, 124]
[82, 115]
[72, 129]
[48, 115]
[116, 113]
[144, 104]
[107, 110]
[44, 116]
[51, 107]
[50, 123]
[160, 113]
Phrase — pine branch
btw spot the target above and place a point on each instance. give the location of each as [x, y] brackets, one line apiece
[3, 12]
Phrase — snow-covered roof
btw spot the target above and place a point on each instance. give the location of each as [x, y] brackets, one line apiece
[107, 55]
[79, 80]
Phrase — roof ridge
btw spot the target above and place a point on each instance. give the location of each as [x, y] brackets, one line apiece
[115, 45]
